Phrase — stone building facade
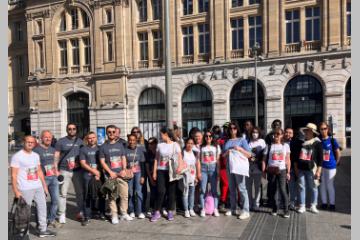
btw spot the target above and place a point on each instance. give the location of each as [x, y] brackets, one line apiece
[101, 62]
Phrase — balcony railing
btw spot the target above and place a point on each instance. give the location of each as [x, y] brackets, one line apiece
[143, 64]
[63, 70]
[157, 62]
[203, 57]
[237, 53]
[292, 47]
[312, 45]
[188, 59]
[86, 68]
[75, 69]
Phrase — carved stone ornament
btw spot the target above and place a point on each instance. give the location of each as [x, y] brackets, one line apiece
[309, 66]
[217, 75]
[272, 69]
[236, 72]
[225, 73]
[202, 76]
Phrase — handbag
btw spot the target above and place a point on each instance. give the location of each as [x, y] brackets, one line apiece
[129, 174]
[209, 204]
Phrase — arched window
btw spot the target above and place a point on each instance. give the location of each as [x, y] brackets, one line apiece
[348, 113]
[242, 103]
[152, 113]
[303, 102]
[196, 108]
[78, 112]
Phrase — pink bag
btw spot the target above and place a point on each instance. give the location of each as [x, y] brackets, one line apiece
[209, 204]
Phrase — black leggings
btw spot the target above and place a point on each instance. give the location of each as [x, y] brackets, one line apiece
[162, 183]
[273, 182]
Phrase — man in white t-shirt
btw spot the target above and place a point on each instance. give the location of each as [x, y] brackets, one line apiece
[28, 181]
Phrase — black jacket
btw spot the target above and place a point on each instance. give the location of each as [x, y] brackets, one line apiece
[308, 155]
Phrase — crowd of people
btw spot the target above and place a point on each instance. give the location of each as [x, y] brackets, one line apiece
[214, 171]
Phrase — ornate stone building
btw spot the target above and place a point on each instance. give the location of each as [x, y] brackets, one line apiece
[101, 62]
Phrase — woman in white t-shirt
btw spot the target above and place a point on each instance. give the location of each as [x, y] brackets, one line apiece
[209, 159]
[257, 146]
[191, 161]
[278, 170]
[166, 151]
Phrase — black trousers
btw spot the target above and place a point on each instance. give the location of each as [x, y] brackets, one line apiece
[275, 182]
[163, 184]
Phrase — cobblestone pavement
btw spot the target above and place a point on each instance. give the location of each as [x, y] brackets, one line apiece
[262, 226]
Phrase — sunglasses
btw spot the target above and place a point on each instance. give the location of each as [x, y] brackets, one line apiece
[71, 129]
[233, 128]
[110, 132]
[208, 136]
[322, 129]
[135, 132]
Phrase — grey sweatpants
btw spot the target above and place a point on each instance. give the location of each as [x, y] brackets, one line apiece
[38, 195]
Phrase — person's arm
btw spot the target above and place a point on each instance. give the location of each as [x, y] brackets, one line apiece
[245, 149]
[87, 167]
[319, 159]
[42, 179]
[142, 167]
[157, 158]
[56, 162]
[337, 156]
[123, 163]
[288, 165]
[263, 162]
[198, 166]
[180, 159]
[14, 174]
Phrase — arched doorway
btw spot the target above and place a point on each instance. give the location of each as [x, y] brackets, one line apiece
[78, 112]
[348, 113]
[242, 103]
[196, 108]
[303, 102]
[152, 113]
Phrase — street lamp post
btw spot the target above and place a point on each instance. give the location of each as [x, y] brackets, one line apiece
[255, 50]
[168, 80]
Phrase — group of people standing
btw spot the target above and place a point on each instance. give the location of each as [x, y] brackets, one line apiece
[111, 181]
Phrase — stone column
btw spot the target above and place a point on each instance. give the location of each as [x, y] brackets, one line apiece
[273, 36]
[212, 30]
[150, 47]
[196, 42]
[149, 10]
[195, 7]
[118, 36]
[264, 27]
[98, 41]
[246, 36]
[302, 27]
[176, 48]
[335, 24]
[324, 33]
[48, 47]
[222, 30]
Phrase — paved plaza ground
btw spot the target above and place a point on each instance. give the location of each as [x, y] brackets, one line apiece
[262, 226]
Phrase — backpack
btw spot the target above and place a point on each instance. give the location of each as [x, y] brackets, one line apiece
[19, 220]
[209, 204]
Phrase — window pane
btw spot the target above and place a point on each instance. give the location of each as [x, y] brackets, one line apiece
[296, 14]
[288, 33]
[316, 29]
[308, 30]
[308, 12]
[288, 15]
[296, 32]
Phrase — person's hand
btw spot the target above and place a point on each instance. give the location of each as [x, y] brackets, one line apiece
[264, 174]
[338, 162]
[154, 176]
[122, 173]
[288, 176]
[142, 180]
[317, 175]
[57, 173]
[18, 194]
[46, 191]
[152, 182]
[113, 175]
[97, 177]
[96, 173]
[199, 177]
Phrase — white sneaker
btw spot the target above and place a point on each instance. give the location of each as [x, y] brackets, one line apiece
[149, 214]
[216, 212]
[192, 213]
[132, 215]
[164, 212]
[228, 213]
[244, 215]
[301, 209]
[62, 219]
[126, 217]
[202, 213]
[313, 209]
[115, 220]
[187, 214]
[141, 216]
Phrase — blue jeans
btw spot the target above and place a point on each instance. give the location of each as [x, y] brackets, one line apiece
[306, 181]
[188, 200]
[293, 188]
[135, 187]
[237, 181]
[209, 174]
[53, 187]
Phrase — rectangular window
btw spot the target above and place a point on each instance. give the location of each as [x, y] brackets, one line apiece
[143, 10]
[157, 44]
[39, 27]
[74, 19]
[187, 7]
[237, 33]
[41, 54]
[312, 23]
[18, 31]
[203, 6]
[254, 2]
[348, 18]
[188, 40]
[63, 53]
[21, 65]
[143, 41]
[22, 98]
[237, 3]
[87, 50]
[292, 20]
[63, 23]
[85, 18]
[75, 52]
[255, 31]
[156, 6]
[109, 46]
[204, 38]
[108, 16]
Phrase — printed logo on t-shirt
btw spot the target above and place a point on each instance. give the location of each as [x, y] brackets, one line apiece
[32, 174]
[277, 155]
[164, 162]
[326, 154]
[115, 162]
[192, 170]
[49, 170]
[71, 163]
[305, 154]
[208, 157]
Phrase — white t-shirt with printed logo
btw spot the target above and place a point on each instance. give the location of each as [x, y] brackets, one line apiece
[209, 154]
[27, 163]
[167, 151]
[277, 156]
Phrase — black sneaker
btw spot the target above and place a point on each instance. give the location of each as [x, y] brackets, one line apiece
[324, 206]
[286, 214]
[47, 233]
[332, 207]
[85, 222]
